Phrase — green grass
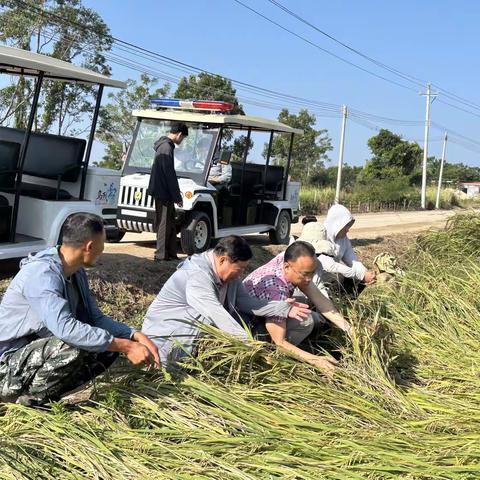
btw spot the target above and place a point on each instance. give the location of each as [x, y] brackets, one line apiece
[404, 404]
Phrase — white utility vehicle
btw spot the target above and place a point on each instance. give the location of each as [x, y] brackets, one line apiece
[45, 178]
[259, 197]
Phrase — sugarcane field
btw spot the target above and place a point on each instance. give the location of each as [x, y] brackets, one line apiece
[239, 240]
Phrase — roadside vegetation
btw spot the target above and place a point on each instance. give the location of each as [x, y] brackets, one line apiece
[385, 197]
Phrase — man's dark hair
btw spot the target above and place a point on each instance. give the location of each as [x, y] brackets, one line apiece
[299, 249]
[81, 227]
[178, 127]
[235, 248]
[308, 219]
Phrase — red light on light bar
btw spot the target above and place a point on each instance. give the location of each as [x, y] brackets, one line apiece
[213, 105]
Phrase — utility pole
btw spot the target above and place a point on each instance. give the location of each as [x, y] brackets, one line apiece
[340, 155]
[425, 145]
[442, 161]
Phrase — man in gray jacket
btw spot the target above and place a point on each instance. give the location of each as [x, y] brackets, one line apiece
[206, 289]
[53, 337]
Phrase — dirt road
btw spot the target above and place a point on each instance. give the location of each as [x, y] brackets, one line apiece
[373, 225]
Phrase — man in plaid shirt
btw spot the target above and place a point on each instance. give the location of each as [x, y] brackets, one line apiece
[277, 280]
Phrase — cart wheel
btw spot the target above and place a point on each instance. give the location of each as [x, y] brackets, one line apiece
[115, 236]
[281, 234]
[196, 235]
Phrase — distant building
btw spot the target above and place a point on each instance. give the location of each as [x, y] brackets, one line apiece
[472, 189]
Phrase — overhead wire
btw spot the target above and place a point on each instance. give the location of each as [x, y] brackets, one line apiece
[404, 76]
[328, 52]
[319, 108]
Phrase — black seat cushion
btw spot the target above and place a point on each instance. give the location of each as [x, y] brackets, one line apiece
[49, 156]
[3, 201]
[9, 152]
[43, 192]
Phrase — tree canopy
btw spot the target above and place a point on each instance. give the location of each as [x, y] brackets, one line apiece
[64, 29]
[391, 156]
[309, 150]
[209, 87]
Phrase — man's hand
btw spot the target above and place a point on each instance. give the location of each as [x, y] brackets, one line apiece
[144, 340]
[139, 354]
[370, 277]
[298, 311]
[326, 364]
[136, 352]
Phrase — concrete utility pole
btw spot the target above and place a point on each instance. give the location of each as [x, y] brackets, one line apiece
[442, 161]
[425, 145]
[340, 155]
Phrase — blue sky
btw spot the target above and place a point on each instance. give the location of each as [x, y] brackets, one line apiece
[432, 40]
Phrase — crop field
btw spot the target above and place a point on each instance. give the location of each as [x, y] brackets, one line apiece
[404, 404]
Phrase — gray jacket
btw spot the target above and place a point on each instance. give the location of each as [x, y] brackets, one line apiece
[222, 172]
[37, 305]
[190, 297]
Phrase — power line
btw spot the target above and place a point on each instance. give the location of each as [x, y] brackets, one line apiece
[328, 52]
[319, 108]
[404, 76]
[332, 111]
[191, 68]
[415, 80]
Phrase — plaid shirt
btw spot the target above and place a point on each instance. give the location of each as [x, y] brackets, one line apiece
[268, 283]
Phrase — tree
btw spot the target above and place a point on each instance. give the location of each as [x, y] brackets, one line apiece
[116, 124]
[239, 146]
[327, 177]
[391, 157]
[63, 29]
[453, 173]
[209, 87]
[309, 150]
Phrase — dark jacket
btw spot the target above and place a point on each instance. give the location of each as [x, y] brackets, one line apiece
[163, 179]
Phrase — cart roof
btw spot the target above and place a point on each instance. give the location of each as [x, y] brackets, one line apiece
[233, 121]
[22, 62]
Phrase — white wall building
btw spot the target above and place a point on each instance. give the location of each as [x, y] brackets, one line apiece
[472, 189]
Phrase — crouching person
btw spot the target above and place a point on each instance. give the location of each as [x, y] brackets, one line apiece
[277, 280]
[206, 289]
[342, 263]
[53, 337]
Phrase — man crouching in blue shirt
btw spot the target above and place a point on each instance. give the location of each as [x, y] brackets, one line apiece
[53, 337]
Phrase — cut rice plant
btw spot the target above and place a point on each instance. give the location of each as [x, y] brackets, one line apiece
[404, 404]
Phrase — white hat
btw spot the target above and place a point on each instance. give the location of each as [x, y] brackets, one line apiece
[316, 234]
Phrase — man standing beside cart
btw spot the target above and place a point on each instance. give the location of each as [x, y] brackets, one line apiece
[164, 188]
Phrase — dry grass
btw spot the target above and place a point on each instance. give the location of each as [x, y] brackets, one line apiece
[404, 403]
